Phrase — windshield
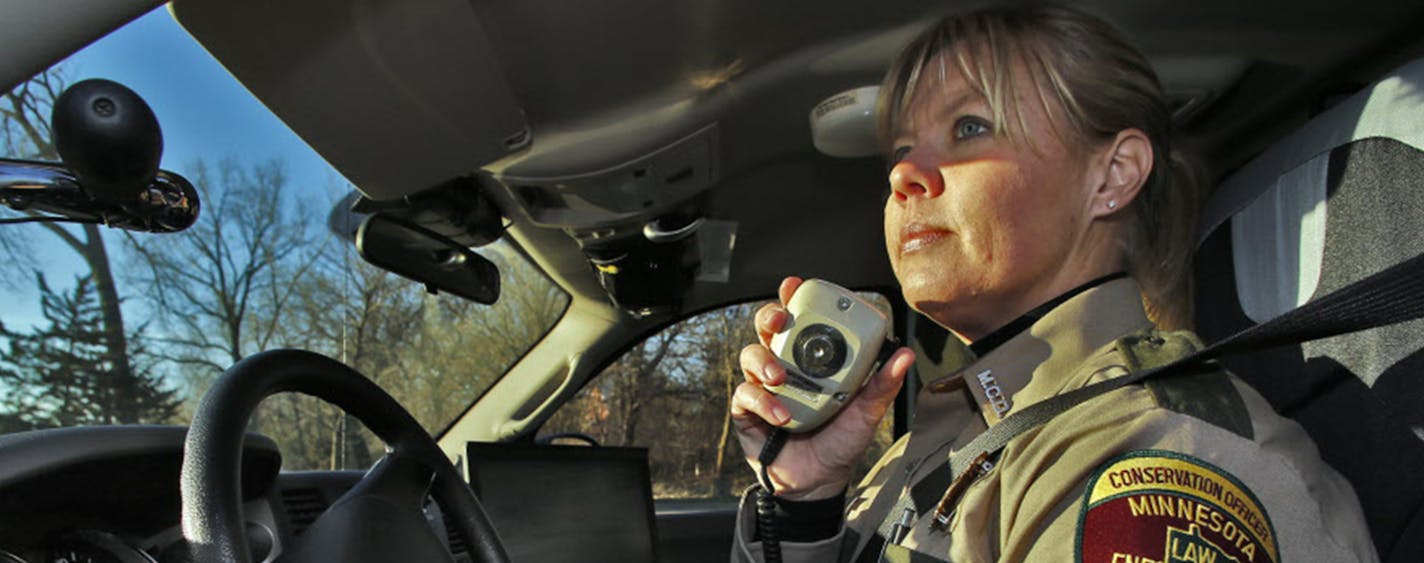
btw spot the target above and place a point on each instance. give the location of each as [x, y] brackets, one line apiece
[102, 326]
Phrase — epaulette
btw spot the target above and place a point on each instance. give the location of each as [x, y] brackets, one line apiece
[1204, 393]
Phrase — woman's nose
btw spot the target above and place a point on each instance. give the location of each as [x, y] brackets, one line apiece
[910, 178]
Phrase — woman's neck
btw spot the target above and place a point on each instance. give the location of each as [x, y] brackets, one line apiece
[983, 345]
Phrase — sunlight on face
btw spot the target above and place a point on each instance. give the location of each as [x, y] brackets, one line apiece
[980, 228]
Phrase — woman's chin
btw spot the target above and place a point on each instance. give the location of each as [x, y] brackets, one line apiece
[958, 309]
[930, 285]
[936, 305]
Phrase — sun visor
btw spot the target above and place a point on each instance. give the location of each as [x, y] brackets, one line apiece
[399, 95]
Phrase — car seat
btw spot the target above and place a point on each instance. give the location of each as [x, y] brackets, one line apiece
[1337, 200]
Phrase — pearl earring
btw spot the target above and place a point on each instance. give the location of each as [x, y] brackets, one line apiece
[1112, 204]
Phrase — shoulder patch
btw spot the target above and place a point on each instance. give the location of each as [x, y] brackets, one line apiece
[1153, 506]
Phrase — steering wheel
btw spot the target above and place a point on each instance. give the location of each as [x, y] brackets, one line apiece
[380, 519]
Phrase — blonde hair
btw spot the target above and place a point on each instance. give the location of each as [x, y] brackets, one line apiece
[1092, 84]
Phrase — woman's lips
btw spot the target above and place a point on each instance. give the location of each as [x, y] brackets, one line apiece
[917, 237]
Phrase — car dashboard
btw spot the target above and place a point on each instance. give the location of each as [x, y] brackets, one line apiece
[110, 494]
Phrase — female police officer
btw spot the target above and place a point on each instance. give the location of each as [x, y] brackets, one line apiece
[1037, 212]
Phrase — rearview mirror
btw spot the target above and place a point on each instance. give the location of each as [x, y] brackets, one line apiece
[428, 258]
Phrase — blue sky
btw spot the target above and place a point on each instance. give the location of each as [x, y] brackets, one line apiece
[202, 109]
[203, 112]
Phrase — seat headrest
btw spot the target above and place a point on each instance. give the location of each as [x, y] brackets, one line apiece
[1277, 202]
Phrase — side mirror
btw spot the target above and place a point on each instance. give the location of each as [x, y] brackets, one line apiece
[428, 258]
[110, 145]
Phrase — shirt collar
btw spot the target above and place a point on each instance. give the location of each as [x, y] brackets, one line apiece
[983, 346]
[1035, 363]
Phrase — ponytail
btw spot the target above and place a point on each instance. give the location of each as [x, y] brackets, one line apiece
[1158, 245]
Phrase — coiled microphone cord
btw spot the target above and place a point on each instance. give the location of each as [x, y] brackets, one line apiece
[765, 503]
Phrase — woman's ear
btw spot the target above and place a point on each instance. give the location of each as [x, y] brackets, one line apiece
[1127, 163]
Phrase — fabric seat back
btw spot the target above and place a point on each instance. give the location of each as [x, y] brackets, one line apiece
[1339, 199]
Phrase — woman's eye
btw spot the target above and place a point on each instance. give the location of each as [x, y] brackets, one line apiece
[969, 127]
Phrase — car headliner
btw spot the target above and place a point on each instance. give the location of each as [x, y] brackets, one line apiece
[401, 95]
[602, 84]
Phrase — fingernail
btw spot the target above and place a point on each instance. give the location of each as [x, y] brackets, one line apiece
[782, 415]
[770, 372]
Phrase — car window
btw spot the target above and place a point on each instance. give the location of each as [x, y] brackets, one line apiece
[669, 393]
[102, 326]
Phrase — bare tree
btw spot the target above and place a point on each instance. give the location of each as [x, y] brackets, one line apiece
[434, 354]
[221, 286]
[722, 334]
[641, 378]
[24, 125]
[24, 116]
[464, 346]
[354, 312]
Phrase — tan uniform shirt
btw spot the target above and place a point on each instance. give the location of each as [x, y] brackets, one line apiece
[1191, 468]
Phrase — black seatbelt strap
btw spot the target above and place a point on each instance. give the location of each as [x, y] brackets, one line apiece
[1391, 296]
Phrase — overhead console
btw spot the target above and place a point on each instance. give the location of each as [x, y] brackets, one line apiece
[638, 222]
[604, 198]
